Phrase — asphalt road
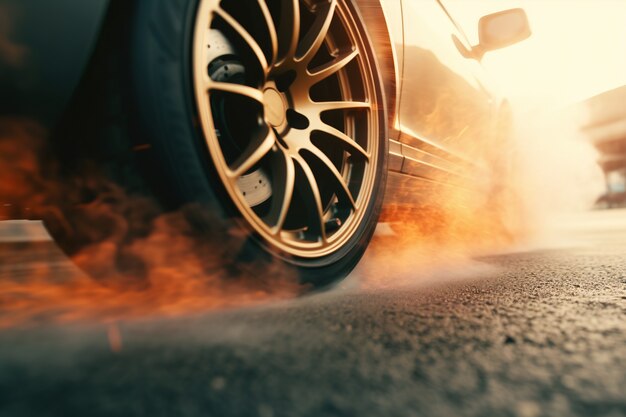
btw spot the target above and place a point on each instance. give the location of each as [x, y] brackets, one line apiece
[528, 333]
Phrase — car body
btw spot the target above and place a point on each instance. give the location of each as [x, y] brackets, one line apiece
[442, 111]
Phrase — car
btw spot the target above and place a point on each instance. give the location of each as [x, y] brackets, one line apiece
[296, 121]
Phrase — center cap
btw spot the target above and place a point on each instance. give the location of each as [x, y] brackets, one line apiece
[274, 107]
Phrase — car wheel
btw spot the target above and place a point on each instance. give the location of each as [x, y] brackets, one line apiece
[270, 113]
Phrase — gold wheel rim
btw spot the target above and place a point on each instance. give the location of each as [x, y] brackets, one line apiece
[320, 151]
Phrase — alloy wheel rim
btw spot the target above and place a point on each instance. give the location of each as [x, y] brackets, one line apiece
[298, 120]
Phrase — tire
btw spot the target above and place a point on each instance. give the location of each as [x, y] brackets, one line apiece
[190, 162]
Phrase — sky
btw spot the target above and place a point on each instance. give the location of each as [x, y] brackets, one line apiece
[577, 50]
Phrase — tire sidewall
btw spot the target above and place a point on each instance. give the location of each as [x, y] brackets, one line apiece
[163, 96]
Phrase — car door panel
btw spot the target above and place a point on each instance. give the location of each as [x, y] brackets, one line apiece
[444, 109]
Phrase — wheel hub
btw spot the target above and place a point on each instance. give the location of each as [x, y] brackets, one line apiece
[274, 107]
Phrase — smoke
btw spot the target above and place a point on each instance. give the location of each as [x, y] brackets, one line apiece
[544, 171]
[144, 262]
[557, 165]
[141, 261]
[440, 240]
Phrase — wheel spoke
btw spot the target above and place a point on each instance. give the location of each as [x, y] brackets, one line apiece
[271, 28]
[314, 38]
[344, 140]
[342, 105]
[324, 71]
[289, 30]
[253, 154]
[245, 35]
[313, 200]
[238, 89]
[282, 190]
[339, 179]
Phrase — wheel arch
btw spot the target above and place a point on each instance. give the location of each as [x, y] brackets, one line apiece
[376, 24]
[49, 55]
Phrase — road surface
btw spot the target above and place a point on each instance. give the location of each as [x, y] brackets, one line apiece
[535, 332]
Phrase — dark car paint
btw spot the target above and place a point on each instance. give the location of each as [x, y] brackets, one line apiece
[45, 46]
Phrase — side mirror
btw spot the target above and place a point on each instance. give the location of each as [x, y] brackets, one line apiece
[502, 29]
[498, 30]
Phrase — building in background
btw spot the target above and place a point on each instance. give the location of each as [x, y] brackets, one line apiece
[605, 126]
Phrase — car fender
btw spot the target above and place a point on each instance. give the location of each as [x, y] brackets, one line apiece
[44, 49]
[375, 15]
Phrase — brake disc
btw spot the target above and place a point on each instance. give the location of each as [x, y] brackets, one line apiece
[224, 66]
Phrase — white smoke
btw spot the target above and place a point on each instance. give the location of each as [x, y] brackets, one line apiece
[558, 170]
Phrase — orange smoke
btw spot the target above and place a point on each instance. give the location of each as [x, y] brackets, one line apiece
[46, 295]
[478, 212]
[438, 242]
[146, 263]
[142, 262]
